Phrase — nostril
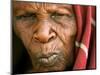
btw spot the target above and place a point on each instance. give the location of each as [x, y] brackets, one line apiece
[41, 38]
[52, 36]
[36, 38]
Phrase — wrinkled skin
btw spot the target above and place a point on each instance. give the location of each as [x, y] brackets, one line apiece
[48, 33]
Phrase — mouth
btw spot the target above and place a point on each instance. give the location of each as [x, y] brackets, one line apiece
[48, 61]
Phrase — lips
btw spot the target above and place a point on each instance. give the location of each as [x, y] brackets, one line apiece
[48, 61]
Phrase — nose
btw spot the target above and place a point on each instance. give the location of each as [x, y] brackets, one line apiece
[44, 33]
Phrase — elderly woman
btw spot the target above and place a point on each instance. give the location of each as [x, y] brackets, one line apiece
[57, 37]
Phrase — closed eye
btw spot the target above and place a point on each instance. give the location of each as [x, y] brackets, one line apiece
[26, 15]
[56, 15]
[59, 16]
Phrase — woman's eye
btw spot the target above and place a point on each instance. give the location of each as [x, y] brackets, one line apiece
[26, 16]
[61, 16]
[57, 15]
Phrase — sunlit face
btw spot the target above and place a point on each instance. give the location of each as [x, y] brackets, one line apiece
[48, 33]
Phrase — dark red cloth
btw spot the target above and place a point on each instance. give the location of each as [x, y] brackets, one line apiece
[86, 38]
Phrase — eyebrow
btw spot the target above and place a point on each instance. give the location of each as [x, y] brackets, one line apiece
[65, 9]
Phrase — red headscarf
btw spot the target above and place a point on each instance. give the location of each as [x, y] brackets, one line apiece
[86, 37]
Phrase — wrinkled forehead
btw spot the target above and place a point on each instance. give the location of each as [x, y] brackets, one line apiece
[40, 5]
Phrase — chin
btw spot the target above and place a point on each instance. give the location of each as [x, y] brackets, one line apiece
[56, 64]
[54, 68]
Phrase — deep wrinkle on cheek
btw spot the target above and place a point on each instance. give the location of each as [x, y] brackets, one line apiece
[69, 32]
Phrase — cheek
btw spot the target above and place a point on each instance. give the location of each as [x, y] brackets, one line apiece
[26, 38]
[66, 32]
[68, 42]
[67, 36]
[23, 32]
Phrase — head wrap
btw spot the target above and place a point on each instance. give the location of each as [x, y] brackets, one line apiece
[85, 43]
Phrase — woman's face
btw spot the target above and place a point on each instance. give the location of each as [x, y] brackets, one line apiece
[48, 33]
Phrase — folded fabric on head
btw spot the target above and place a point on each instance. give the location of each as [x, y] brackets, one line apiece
[86, 37]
